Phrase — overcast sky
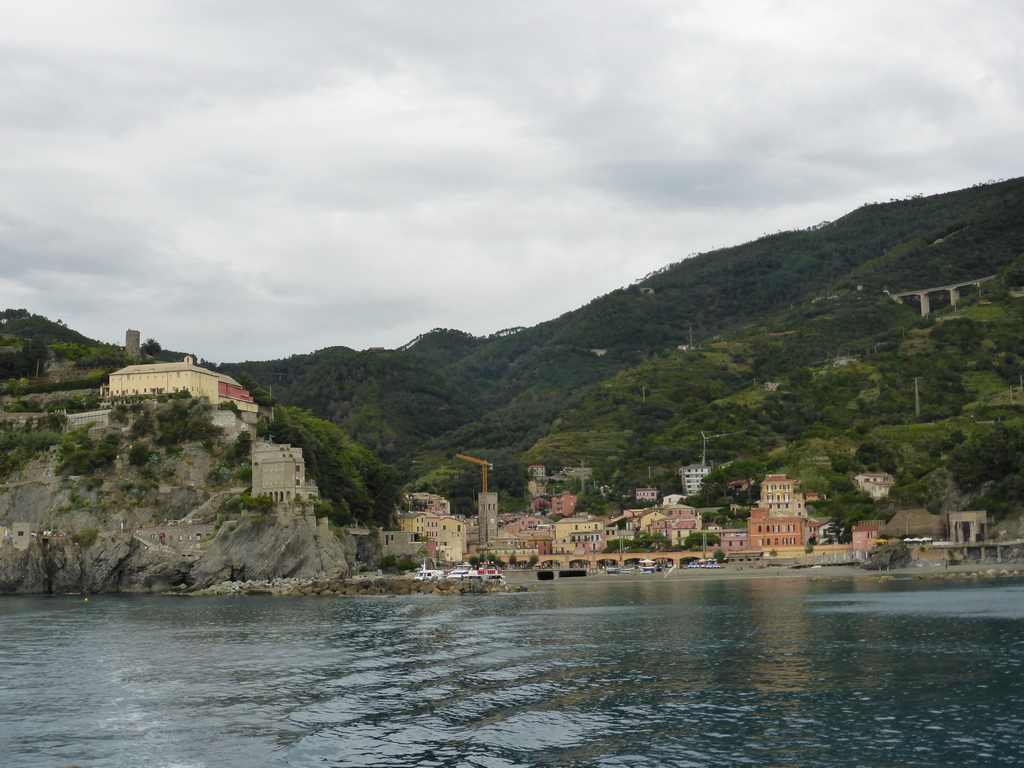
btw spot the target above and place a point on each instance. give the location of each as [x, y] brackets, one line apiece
[249, 180]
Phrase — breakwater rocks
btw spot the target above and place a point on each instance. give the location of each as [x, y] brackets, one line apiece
[380, 585]
[992, 573]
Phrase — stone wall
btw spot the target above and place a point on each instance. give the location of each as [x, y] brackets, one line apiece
[98, 422]
[232, 425]
[401, 544]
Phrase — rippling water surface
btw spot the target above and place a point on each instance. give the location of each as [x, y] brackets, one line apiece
[771, 672]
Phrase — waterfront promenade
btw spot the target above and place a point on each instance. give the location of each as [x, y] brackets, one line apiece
[918, 569]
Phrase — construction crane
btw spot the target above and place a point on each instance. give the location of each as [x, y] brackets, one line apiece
[484, 466]
[704, 453]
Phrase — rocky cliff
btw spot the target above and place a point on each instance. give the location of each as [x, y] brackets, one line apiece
[280, 546]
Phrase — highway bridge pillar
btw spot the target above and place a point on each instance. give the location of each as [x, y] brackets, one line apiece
[926, 306]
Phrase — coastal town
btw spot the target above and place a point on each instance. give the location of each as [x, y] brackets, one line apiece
[664, 531]
[781, 529]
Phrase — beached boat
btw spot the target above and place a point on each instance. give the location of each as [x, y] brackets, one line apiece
[428, 574]
[484, 574]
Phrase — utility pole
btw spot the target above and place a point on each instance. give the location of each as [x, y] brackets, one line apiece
[917, 399]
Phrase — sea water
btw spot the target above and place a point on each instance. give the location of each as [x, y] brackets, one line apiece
[583, 672]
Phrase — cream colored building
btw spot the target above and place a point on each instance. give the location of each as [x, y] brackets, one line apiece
[510, 543]
[448, 533]
[22, 535]
[451, 539]
[574, 535]
[874, 484]
[168, 378]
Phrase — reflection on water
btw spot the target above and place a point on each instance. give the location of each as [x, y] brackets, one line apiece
[779, 672]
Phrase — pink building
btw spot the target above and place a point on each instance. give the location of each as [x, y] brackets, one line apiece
[864, 536]
[733, 540]
[430, 502]
[526, 523]
[563, 504]
[674, 529]
[647, 494]
[681, 513]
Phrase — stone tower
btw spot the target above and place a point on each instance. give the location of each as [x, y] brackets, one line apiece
[487, 518]
[279, 471]
[132, 344]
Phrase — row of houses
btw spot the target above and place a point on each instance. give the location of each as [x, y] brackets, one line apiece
[780, 525]
[874, 484]
[454, 538]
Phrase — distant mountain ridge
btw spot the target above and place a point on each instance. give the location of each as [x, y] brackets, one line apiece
[606, 384]
[448, 388]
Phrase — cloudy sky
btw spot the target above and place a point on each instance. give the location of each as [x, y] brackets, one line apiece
[249, 180]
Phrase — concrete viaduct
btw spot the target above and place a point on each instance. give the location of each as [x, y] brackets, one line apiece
[599, 560]
[954, 293]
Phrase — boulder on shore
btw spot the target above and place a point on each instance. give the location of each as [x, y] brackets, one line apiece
[887, 557]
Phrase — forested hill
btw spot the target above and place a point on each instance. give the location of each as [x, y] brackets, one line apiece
[448, 390]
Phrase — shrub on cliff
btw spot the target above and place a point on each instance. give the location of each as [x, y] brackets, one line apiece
[85, 538]
[347, 474]
[79, 455]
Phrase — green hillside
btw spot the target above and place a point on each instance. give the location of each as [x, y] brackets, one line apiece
[801, 361]
[606, 384]
[850, 384]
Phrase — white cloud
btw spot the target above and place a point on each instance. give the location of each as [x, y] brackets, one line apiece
[248, 180]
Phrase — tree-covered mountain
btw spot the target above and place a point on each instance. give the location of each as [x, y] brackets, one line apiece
[801, 361]
[782, 304]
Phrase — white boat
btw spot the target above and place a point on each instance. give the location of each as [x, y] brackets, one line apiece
[484, 574]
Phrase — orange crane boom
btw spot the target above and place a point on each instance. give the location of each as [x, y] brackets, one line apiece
[484, 466]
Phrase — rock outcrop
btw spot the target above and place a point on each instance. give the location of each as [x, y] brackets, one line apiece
[888, 557]
[274, 548]
[114, 563]
[265, 548]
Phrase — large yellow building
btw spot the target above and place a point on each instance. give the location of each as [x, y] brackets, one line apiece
[448, 532]
[168, 378]
[579, 535]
